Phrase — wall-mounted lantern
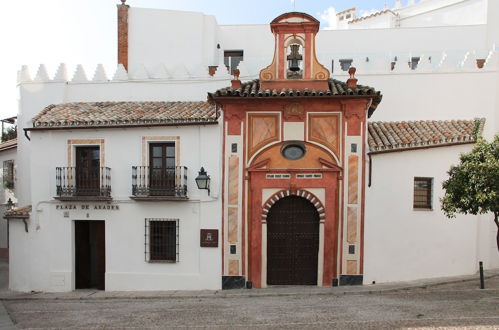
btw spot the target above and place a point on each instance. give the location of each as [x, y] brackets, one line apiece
[10, 204]
[203, 180]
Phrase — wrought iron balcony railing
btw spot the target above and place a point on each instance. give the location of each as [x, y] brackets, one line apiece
[84, 182]
[159, 181]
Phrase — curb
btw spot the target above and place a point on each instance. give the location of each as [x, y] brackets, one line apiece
[264, 293]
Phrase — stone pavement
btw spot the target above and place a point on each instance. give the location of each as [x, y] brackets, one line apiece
[458, 305]
[5, 320]
[448, 284]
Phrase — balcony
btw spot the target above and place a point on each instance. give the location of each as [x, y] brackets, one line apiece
[83, 183]
[159, 183]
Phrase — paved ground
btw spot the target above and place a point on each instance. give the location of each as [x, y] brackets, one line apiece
[425, 304]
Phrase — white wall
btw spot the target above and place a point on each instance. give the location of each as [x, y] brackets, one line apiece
[50, 265]
[444, 12]
[403, 244]
[152, 41]
[382, 42]
[438, 96]
[6, 193]
[175, 38]
[257, 41]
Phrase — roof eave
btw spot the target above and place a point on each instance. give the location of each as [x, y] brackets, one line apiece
[385, 151]
[43, 128]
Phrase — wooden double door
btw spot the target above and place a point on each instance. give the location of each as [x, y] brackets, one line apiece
[292, 242]
[90, 254]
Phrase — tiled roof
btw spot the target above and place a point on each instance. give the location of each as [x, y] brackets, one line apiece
[110, 114]
[394, 136]
[346, 10]
[10, 144]
[336, 89]
[22, 212]
[378, 13]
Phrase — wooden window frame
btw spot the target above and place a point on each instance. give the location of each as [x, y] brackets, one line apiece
[169, 256]
[420, 191]
[8, 174]
[164, 145]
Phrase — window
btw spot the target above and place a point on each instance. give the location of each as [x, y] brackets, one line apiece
[414, 63]
[8, 174]
[232, 59]
[422, 193]
[346, 64]
[161, 240]
[88, 171]
[293, 150]
[162, 177]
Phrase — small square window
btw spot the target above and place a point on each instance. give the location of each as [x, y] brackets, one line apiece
[423, 193]
[232, 59]
[162, 242]
[345, 63]
[353, 147]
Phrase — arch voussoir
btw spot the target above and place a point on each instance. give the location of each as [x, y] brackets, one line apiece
[302, 193]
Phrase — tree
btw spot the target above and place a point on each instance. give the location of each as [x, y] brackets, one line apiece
[473, 184]
[9, 133]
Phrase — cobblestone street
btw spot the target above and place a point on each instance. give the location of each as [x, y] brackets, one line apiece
[450, 305]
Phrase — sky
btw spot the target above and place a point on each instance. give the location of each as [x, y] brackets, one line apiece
[84, 31]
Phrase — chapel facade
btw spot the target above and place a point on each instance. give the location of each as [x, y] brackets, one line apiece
[294, 155]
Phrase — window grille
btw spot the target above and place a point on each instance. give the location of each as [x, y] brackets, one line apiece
[8, 174]
[161, 240]
[422, 193]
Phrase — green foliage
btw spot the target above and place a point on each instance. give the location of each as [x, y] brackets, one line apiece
[9, 133]
[473, 184]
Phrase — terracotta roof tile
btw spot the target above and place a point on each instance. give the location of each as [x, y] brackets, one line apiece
[390, 136]
[337, 88]
[378, 13]
[22, 212]
[10, 144]
[109, 114]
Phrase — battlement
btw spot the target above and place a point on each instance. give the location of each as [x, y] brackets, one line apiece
[366, 65]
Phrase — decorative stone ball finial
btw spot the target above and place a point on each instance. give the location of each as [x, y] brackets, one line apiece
[123, 2]
[352, 81]
[236, 83]
[236, 73]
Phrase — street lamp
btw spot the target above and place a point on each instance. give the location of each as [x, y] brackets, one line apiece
[203, 180]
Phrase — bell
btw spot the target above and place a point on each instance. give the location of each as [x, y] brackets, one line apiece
[294, 58]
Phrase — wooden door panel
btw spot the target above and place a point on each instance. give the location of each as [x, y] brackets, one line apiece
[292, 242]
[90, 254]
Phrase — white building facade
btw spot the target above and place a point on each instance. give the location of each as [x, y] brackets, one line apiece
[428, 67]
